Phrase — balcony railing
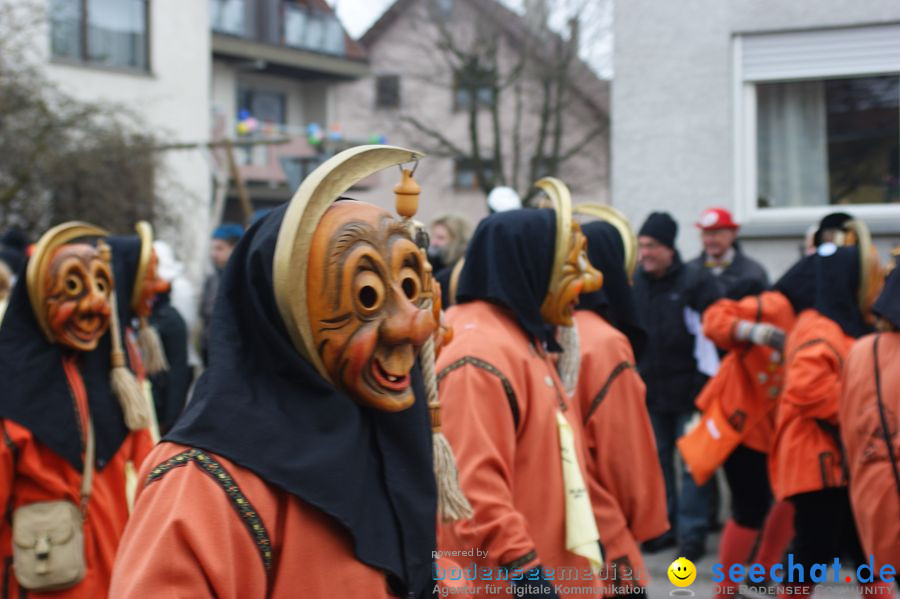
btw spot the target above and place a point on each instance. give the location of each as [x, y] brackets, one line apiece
[228, 16]
[312, 30]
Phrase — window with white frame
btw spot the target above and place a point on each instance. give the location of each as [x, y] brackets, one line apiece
[819, 117]
[105, 32]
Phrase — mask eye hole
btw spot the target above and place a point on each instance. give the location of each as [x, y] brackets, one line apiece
[369, 292]
[74, 285]
[410, 283]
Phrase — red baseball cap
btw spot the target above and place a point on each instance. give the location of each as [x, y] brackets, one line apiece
[716, 218]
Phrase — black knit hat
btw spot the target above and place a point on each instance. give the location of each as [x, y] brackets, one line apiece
[661, 227]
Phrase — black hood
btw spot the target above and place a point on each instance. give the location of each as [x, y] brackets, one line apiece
[263, 406]
[36, 392]
[837, 286]
[888, 303]
[615, 300]
[126, 257]
[509, 262]
[798, 284]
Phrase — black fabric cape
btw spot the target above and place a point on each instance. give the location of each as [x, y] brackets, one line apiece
[798, 284]
[837, 284]
[615, 300]
[126, 255]
[36, 393]
[263, 406]
[509, 261]
[888, 303]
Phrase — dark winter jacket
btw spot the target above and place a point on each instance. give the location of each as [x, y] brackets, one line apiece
[744, 276]
[667, 365]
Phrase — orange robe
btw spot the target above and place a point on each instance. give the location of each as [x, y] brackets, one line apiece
[750, 398]
[205, 527]
[873, 490]
[624, 474]
[500, 394]
[31, 472]
[806, 454]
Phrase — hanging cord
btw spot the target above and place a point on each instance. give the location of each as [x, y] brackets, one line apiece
[881, 413]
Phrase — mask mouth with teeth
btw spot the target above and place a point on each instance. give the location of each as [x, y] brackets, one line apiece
[78, 285]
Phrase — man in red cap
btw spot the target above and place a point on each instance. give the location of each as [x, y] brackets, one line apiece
[739, 274]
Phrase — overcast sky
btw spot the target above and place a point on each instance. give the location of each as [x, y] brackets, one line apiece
[358, 15]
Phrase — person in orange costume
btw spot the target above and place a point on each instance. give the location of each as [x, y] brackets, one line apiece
[629, 493]
[806, 463]
[869, 417]
[55, 356]
[302, 465]
[505, 410]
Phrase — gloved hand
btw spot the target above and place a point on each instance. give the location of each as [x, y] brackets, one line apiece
[543, 589]
[760, 333]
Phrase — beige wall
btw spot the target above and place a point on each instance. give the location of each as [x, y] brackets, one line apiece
[405, 49]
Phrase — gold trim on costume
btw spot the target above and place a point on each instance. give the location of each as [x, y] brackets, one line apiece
[145, 232]
[559, 194]
[317, 192]
[620, 222]
[863, 240]
[40, 260]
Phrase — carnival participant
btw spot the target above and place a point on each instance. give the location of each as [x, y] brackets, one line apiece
[516, 433]
[69, 456]
[610, 396]
[302, 466]
[869, 418]
[806, 463]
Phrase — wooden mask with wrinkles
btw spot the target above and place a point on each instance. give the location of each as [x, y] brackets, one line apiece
[77, 286]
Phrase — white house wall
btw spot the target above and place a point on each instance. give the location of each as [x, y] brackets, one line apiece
[673, 113]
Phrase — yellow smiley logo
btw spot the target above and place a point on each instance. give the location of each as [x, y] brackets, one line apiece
[682, 572]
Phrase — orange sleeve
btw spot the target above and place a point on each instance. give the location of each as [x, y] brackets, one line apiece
[720, 319]
[813, 382]
[625, 457]
[183, 540]
[479, 424]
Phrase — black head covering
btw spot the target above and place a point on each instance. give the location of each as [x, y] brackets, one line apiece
[14, 259]
[661, 227]
[126, 256]
[834, 220]
[36, 392]
[888, 303]
[509, 262]
[263, 406]
[615, 300]
[837, 286]
[798, 284]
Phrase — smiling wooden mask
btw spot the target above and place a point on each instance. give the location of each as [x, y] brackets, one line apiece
[349, 282]
[69, 285]
[369, 319]
[572, 271]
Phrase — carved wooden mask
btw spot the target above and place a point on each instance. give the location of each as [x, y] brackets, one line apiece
[577, 276]
[368, 314]
[77, 287]
[150, 286]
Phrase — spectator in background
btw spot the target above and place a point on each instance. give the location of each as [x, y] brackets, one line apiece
[224, 238]
[5, 287]
[449, 235]
[181, 294]
[739, 274]
[675, 365]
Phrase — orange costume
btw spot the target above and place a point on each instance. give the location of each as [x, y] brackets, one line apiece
[55, 358]
[517, 436]
[302, 466]
[623, 464]
[873, 457]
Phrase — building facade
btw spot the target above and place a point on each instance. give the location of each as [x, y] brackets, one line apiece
[410, 98]
[778, 111]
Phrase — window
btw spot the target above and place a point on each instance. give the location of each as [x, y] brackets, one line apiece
[227, 16]
[465, 173]
[106, 32]
[312, 30]
[267, 107]
[473, 81]
[818, 120]
[387, 91]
